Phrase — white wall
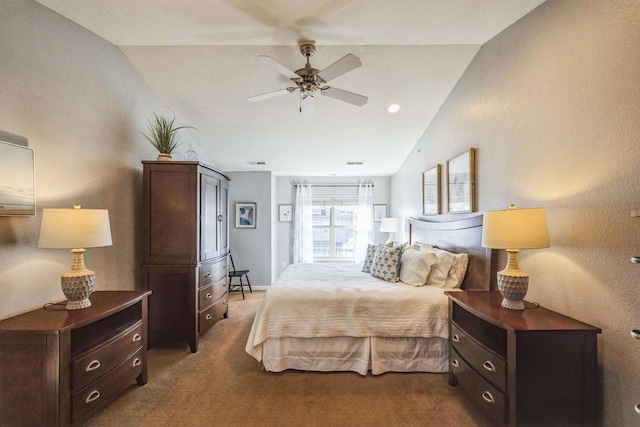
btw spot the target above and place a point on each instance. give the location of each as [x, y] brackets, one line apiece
[552, 105]
[251, 247]
[286, 195]
[82, 106]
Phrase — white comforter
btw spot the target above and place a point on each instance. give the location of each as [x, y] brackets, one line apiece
[332, 300]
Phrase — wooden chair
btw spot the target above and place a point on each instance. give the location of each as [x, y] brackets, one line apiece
[238, 273]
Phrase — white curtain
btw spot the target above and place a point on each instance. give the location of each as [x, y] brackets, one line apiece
[364, 221]
[303, 217]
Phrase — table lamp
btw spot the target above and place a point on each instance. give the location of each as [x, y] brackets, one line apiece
[390, 225]
[76, 229]
[514, 229]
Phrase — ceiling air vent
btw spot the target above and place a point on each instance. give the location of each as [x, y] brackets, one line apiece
[355, 163]
[256, 162]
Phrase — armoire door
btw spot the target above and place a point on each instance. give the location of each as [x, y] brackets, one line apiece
[223, 219]
[209, 211]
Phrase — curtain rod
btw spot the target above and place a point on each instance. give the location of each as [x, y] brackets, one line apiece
[331, 185]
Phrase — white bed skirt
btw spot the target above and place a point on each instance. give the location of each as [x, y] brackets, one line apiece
[378, 355]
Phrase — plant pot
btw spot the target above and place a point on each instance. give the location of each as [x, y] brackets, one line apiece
[163, 157]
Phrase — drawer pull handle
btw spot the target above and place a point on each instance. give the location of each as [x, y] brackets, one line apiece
[455, 338]
[488, 397]
[136, 337]
[207, 275]
[94, 395]
[95, 364]
[137, 362]
[209, 317]
[220, 218]
[455, 363]
[224, 286]
[637, 408]
[224, 302]
[635, 333]
[489, 366]
[224, 266]
[208, 296]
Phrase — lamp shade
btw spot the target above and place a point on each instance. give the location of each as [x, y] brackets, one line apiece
[390, 225]
[75, 228]
[515, 229]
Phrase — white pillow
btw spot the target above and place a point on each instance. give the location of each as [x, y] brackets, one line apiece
[416, 265]
[457, 271]
[440, 270]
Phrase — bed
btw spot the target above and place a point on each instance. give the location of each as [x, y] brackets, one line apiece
[333, 317]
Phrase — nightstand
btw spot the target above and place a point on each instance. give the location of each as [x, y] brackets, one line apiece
[60, 367]
[531, 367]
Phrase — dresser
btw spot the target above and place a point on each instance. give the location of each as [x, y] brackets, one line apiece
[523, 368]
[185, 246]
[59, 367]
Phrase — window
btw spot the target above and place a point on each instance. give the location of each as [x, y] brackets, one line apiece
[334, 228]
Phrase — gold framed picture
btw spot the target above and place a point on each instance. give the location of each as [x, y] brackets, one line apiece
[431, 191]
[461, 182]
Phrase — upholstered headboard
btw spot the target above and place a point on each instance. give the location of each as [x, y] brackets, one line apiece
[459, 235]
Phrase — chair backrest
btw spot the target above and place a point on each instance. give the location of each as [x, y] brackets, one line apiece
[233, 267]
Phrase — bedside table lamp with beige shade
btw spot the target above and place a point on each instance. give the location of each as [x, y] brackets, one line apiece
[514, 229]
[76, 229]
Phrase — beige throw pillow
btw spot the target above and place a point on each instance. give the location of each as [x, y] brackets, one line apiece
[416, 265]
[440, 270]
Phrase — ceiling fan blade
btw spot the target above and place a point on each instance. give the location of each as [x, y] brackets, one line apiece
[269, 62]
[307, 105]
[271, 94]
[343, 95]
[341, 66]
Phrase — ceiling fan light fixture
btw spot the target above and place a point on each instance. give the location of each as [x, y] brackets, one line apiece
[393, 108]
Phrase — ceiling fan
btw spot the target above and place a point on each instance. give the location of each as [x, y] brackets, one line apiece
[309, 80]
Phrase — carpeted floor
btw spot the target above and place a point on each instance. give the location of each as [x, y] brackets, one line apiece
[222, 385]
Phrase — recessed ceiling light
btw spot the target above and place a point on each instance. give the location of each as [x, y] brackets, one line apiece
[393, 108]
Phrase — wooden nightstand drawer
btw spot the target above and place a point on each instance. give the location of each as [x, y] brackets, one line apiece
[103, 391]
[210, 316]
[88, 368]
[491, 400]
[487, 364]
[211, 294]
[213, 273]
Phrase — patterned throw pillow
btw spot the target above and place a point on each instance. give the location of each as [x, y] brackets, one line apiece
[368, 260]
[386, 263]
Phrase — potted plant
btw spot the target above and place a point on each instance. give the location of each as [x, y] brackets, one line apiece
[163, 135]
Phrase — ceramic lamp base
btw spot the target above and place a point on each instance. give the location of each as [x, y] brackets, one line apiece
[513, 283]
[513, 289]
[77, 284]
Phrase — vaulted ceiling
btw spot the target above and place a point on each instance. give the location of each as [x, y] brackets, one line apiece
[200, 57]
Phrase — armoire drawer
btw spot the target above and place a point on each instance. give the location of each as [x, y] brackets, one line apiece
[487, 364]
[213, 273]
[211, 294]
[104, 390]
[88, 368]
[491, 400]
[210, 316]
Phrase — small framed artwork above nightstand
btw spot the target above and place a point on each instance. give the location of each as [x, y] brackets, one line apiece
[379, 212]
[285, 213]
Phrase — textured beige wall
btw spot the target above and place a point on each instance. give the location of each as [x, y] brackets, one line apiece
[552, 105]
[82, 106]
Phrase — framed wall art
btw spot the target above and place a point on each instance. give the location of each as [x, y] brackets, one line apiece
[379, 212]
[285, 213]
[246, 215]
[461, 182]
[431, 191]
[17, 179]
